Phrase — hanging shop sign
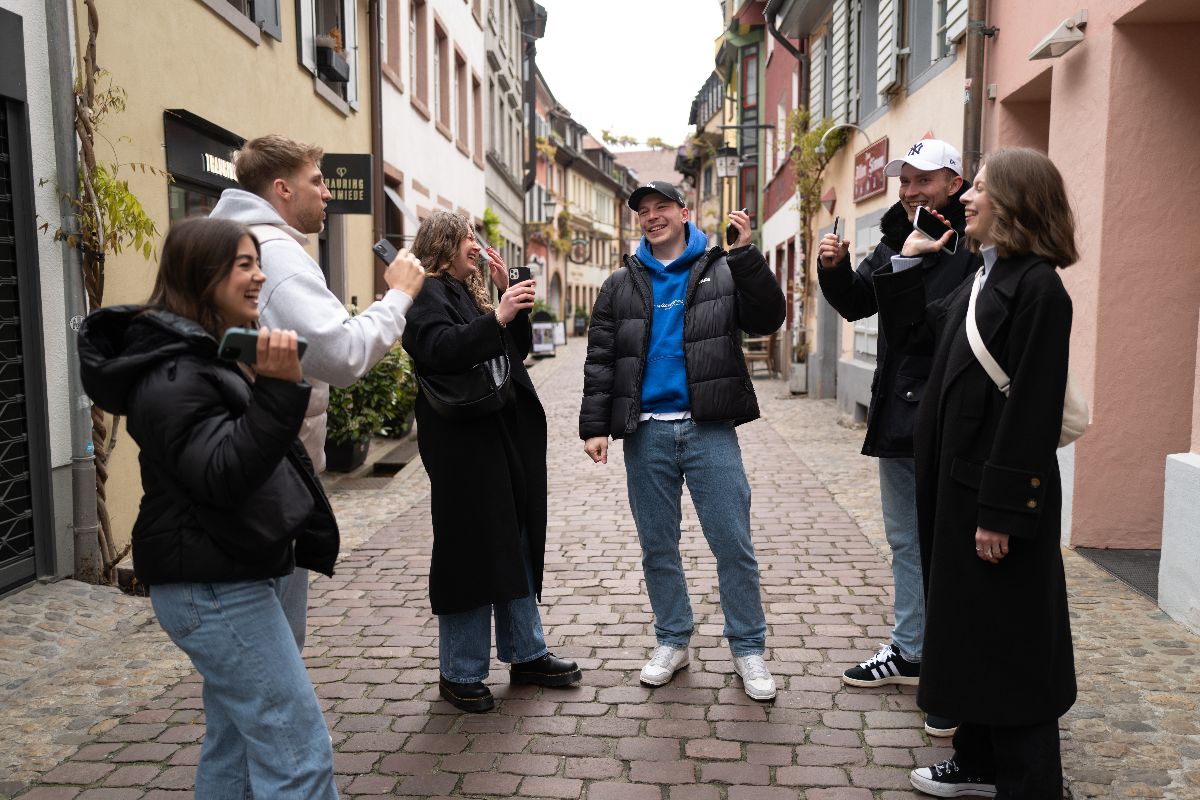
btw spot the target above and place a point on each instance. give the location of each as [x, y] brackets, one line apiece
[348, 177]
[198, 151]
[869, 179]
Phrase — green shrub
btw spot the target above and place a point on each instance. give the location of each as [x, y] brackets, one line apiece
[378, 403]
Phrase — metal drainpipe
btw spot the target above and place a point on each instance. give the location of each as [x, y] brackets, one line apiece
[84, 524]
[973, 116]
[377, 202]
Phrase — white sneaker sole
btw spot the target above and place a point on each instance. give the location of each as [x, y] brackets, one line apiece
[901, 680]
[923, 784]
[753, 695]
[664, 680]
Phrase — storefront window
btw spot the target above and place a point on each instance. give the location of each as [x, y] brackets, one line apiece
[190, 201]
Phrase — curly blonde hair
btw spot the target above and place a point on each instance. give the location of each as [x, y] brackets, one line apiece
[436, 244]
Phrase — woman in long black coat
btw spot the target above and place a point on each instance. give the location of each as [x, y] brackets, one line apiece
[487, 474]
[997, 652]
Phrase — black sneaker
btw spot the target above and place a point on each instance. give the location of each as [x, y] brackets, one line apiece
[947, 780]
[886, 666]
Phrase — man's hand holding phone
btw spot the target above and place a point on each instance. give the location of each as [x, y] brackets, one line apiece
[738, 233]
[931, 232]
[404, 270]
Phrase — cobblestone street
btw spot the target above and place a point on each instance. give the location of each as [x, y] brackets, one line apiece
[99, 704]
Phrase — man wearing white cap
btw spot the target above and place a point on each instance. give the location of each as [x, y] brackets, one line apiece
[930, 175]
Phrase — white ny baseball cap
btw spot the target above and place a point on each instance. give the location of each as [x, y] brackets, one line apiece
[927, 155]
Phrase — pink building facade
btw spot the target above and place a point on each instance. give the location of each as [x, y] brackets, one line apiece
[1118, 113]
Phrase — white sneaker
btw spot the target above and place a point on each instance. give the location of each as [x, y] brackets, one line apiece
[664, 662]
[755, 677]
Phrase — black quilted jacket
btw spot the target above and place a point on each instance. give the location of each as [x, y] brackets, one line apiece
[229, 493]
[726, 293]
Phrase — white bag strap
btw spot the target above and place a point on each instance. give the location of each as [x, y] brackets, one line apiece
[269, 233]
[994, 370]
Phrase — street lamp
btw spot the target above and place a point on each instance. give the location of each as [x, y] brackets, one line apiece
[727, 162]
[548, 206]
[820, 148]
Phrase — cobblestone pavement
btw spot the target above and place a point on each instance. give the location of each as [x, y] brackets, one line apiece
[98, 703]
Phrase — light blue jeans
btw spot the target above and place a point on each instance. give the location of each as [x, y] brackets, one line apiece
[898, 496]
[293, 596]
[659, 456]
[465, 638]
[265, 736]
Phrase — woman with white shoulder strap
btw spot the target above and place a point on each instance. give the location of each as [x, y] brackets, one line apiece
[997, 650]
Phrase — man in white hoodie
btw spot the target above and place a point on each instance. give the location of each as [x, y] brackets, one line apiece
[283, 201]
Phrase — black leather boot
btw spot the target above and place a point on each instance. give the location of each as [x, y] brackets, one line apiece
[474, 697]
[546, 671]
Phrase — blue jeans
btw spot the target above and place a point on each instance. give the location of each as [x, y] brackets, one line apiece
[293, 596]
[265, 736]
[465, 640]
[898, 495]
[659, 456]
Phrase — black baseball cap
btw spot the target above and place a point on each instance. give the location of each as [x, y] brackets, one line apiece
[667, 190]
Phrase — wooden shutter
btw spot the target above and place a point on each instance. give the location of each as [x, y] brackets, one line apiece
[888, 71]
[816, 80]
[840, 62]
[956, 20]
[267, 18]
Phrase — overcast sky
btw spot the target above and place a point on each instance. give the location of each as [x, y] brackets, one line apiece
[631, 66]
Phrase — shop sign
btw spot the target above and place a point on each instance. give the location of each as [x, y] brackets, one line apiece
[198, 155]
[869, 179]
[348, 178]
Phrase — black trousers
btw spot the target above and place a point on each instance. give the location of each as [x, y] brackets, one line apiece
[1024, 758]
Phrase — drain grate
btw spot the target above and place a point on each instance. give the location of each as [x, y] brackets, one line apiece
[1136, 568]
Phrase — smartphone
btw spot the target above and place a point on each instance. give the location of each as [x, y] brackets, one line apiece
[386, 251]
[518, 274]
[241, 344]
[732, 232]
[934, 228]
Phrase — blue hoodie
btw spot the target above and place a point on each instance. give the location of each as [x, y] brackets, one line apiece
[664, 381]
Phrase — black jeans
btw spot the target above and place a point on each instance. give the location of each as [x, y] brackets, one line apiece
[1023, 758]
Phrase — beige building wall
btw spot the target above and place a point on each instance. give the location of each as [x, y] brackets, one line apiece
[183, 55]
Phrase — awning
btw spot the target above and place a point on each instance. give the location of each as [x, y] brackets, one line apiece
[411, 222]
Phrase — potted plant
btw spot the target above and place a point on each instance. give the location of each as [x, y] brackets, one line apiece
[399, 412]
[361, 410]
[331, 57]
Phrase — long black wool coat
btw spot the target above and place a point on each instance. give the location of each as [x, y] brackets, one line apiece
[997, 636]
[487, 475]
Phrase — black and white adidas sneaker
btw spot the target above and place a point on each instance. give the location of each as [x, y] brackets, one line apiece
[947, 779]
[886, 666]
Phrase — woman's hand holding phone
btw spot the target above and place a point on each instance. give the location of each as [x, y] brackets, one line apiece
[516, 298]
[277, 355]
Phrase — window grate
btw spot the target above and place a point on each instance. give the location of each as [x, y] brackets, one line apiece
[16, 501]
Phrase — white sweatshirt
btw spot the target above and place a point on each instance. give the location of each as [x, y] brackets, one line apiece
[341, 348]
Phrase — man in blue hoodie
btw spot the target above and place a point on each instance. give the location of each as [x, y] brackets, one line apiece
[665, 372]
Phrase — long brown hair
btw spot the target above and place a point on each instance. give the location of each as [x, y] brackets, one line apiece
[197, 255]
[1032, 211]
[436, 244]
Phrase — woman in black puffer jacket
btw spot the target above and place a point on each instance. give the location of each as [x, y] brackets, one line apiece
[231, 503]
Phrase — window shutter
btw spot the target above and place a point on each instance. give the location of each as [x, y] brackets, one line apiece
[841, 51]
[816, 80]
[888, 72]
[350, 15]
[956, 20]
[267, 12]
[306, 23]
